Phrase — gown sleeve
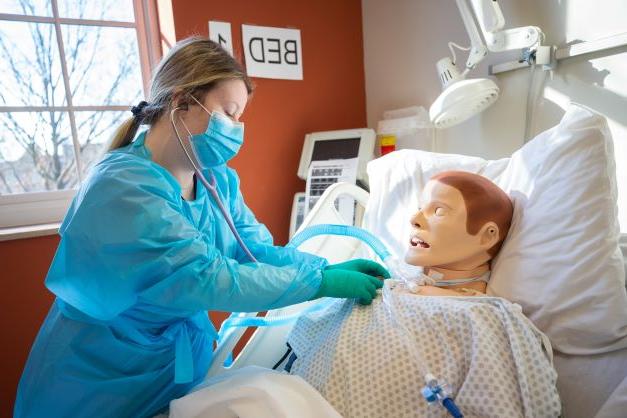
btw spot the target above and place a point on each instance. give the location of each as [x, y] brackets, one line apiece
[126, 240]
[259, 240]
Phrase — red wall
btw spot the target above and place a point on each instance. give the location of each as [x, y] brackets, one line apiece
[331, 96]
[25, 303]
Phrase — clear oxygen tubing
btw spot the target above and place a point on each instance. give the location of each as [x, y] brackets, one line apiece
[396, 268]
[239, 320]
[211, 188]
[536, 85]
[529, 107]
[434, 391]
[533, 96]
[342, 230]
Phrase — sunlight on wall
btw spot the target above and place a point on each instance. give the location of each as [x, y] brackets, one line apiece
[590, 20]
[601, 84]
[616, 82]
[556, 97]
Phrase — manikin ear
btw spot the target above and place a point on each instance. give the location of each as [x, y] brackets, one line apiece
[489, 235]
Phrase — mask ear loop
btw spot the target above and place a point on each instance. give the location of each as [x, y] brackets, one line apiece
[189, 136]
[195, 166]
[200, 104]
[235, 122]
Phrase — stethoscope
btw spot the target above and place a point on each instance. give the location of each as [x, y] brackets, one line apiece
[211, 187]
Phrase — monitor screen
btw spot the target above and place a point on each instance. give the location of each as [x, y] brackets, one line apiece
[335, 149]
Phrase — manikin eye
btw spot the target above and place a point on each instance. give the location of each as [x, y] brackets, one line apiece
[439, 211]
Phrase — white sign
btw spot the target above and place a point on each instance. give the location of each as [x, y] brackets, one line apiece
[220, 32]
[272, 52]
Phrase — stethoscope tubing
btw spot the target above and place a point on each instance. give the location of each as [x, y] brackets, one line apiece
[212, 189]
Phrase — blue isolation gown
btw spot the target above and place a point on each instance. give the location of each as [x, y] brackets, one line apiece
[135, 272]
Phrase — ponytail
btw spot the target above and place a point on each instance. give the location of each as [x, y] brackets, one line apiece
[124, 134]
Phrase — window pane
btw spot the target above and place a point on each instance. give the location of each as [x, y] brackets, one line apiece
[36, 152]
[103, 64]
[95, 129]
[118, 10]
[26, 7]
[30, 65]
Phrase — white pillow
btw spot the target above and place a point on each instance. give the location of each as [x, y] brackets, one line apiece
[561, 261]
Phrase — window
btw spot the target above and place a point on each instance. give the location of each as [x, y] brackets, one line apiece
[70, 71]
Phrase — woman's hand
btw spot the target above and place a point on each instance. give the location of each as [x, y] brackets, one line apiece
[352, 279]
[362, 266]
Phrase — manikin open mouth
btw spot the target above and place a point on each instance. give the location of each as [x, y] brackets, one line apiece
[417, 242]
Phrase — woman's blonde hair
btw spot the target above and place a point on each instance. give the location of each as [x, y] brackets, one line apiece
[191, 68]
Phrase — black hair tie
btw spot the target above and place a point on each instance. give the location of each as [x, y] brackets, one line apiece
[137, 110]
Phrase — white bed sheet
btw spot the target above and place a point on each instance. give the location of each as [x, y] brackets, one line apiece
[593, 385]
[253, 392]
[616, 405]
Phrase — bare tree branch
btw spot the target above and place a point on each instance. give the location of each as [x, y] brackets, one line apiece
[9, 54]
[7, 185]
[46, 141]
[17, 177]
[89, 62]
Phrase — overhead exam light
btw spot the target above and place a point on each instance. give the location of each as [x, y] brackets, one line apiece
[461, 99]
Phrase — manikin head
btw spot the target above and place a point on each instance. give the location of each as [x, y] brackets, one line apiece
[461, 223]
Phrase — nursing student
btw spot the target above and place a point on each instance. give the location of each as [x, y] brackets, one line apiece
[157, 236]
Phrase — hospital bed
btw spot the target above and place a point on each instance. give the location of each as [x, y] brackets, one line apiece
[589, 386]
[551, 262]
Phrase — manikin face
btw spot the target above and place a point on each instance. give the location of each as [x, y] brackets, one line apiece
[439, 237]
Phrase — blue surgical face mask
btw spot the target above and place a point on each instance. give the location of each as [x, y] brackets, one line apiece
[220, 142]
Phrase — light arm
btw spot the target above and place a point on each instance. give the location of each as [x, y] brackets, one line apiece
[491, 22]
[478, 48]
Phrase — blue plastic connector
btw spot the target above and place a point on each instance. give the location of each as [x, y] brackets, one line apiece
[452, 408]
[435, 392]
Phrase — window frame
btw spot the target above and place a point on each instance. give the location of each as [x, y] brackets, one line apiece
[23, 210]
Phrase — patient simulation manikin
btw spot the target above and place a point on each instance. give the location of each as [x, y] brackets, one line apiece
[460, 226]
[474, 346]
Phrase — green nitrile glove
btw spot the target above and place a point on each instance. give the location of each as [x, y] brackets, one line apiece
[362, 266]
[338, 283]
